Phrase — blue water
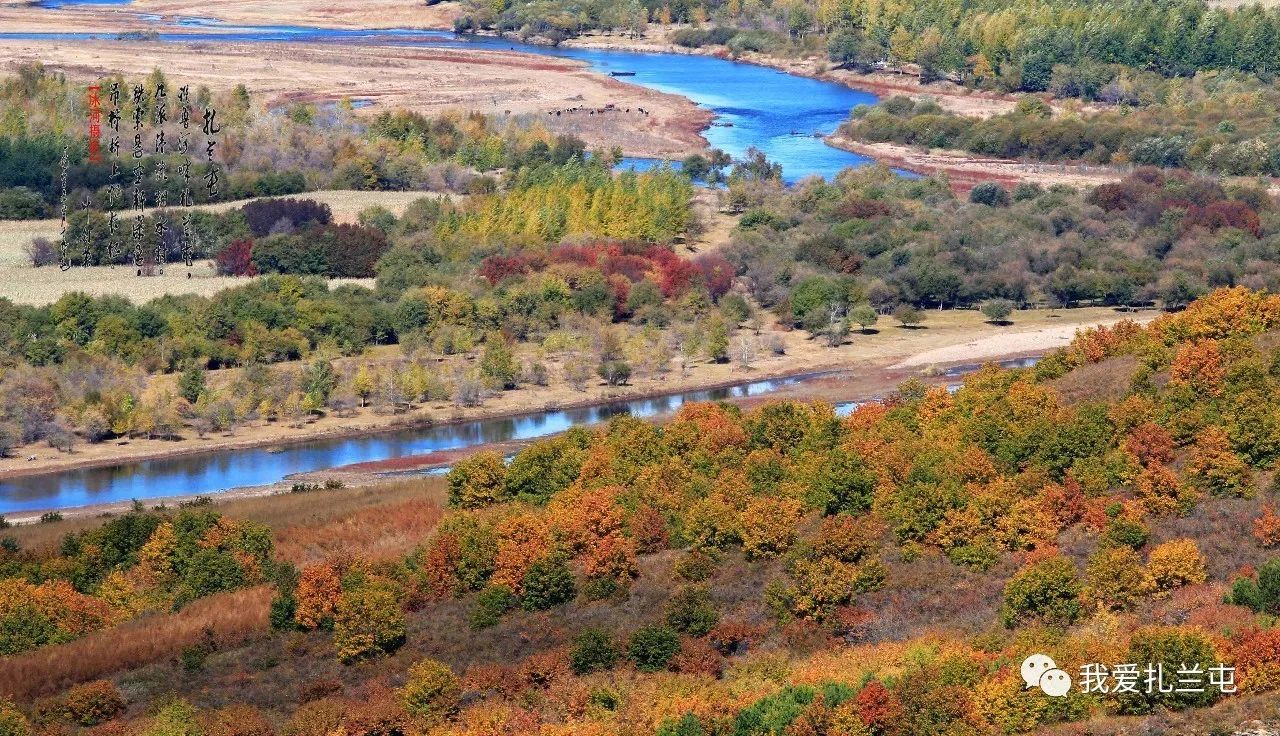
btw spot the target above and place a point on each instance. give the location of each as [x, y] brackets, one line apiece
[755, 106]
[220, 471]
[781, 114]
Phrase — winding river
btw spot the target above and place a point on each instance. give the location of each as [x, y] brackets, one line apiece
[781, 114]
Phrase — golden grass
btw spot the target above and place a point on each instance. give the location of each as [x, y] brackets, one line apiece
[232, 618]
[376, 533]
[297, 518]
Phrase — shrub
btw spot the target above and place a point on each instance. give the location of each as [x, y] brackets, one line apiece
[908, 315]
[12, 722]
[990, 194]
[1121, 532]
[998, 310]
[687, 725]
[490, 605]
[1175, 648]
[266, 214]
[1257, 659]
[696, 565]
[432, 691]
[477, 481]
[652, 647]
[368, 621]
[547, 583]
[237, 720]
[1047, 590]
[690, 611]
[1266, 528]
[1175, 564]
[175, 718]
[1261, 595]
[697, 657]
[318, 716]
[92, 703]
[1115, 578]
[593, 650]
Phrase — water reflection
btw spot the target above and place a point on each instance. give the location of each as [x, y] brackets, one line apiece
[224, 470]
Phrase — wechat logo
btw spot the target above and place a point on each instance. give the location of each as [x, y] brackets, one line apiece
[1042, 672]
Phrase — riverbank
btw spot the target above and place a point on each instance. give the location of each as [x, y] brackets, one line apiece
[952, 97]
[964, 171]
[871, 365]
[25, 16]
[564, 96]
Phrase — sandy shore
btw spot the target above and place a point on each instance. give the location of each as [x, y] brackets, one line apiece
[22, 15]
[964, 171]
[871, 365]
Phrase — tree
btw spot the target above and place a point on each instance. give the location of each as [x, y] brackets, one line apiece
[652, 647]
[690, 611]
[1115, 579]
[498, 364]
[615, 372]
[718, 341]
[865, 316]
[319, 380]
[1047, 590]
[908, 315]
[901, 47]
[364, 384]
[236, 259]
[990, 194]
[547, 584]
[1176, 563]
[593, 650]
[998, 310]
[432, 691]
[478, 481]
[368, 621]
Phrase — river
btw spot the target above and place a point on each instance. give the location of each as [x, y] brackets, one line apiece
[214, 472]
[781, 114]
